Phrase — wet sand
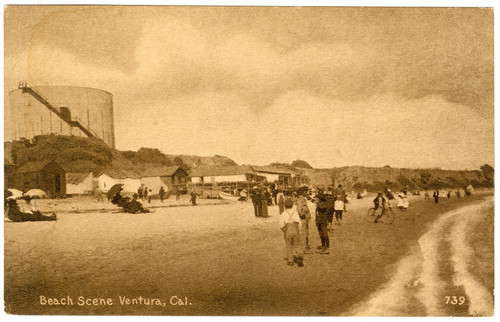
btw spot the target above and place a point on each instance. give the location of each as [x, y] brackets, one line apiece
[220, 257]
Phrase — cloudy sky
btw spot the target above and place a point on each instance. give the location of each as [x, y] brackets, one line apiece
[403, 87]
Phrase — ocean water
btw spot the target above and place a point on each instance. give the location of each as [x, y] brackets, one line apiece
[435, 278]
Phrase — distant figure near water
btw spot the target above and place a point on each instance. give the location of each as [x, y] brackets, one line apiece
[436, 196]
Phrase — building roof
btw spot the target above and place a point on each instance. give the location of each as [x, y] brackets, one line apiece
[221, 171]
[34, 166]
[161, 171]
[118, 174]
[76, 177]
[274, 170]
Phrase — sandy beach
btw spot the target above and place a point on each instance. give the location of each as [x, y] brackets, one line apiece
[221, 260]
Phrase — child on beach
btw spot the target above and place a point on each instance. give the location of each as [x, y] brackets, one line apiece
[290, 225]
[339, 207]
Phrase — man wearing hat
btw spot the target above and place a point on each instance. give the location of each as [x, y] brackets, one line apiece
[256, 200]
[322, 219]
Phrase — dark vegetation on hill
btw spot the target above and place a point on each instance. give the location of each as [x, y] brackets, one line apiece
[78, 154]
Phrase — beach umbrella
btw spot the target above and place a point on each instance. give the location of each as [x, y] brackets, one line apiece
[14, 193]
[114, 189]
[35, 194]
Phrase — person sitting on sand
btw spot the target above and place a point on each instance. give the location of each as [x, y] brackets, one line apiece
[290, 224]
[134, 206]
[119, 200]
[15, 214]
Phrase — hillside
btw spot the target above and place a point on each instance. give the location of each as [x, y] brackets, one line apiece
[78, 154]
[375, 179]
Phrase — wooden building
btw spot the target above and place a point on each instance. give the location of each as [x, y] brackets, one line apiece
[208, 180]
[285, 178]
[170, 178]
[48, 176]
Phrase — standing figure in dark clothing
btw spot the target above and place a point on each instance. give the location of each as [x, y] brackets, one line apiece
[280, 197]
[256, 200]
[264, 202]
[161, 193]
[139, 192]
[322, 210]
[145, 194]
[436, 196]
[193, 197]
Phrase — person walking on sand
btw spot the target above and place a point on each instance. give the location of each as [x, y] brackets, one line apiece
[305, 216]
[263, 203]
[161, 193]
[280, 201]
[436, 196]
[322, 209]
[98, 194]
[256, 200]
[290, 224]
[339, 207]
[193, 197]
[150, 195]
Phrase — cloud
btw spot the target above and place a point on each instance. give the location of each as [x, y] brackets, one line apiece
[335, 83]
[386, 129]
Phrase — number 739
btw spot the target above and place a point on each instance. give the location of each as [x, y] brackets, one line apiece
[455, 300]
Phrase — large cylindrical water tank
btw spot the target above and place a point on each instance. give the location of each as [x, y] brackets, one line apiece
[27, 116]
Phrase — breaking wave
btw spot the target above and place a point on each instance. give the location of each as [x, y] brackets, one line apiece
[416, 288]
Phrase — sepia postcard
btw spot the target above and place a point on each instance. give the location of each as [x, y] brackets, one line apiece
[248, 161]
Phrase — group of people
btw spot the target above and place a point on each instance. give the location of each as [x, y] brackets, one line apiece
[295, 216]
[436, 194]
[260, 198]
[146, 194]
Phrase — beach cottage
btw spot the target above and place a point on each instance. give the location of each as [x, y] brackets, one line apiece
[78, 183]
[170, 178]
[48, 176]
[109, 177]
